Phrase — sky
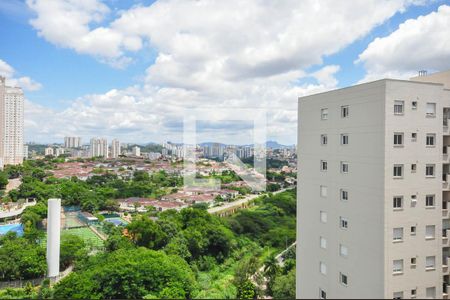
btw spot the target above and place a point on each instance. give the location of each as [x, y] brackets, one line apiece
[135, 70]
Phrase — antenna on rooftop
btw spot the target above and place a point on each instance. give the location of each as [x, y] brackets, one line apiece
[423, 73]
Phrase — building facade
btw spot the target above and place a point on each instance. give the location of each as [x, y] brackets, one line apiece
[373, 219]
[136, 151]
[115, 148]
[49, 151]
[11, 124]
[72, 142]
[99, 147]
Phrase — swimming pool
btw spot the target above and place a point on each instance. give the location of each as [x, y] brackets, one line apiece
[18, 228]
[117, 221]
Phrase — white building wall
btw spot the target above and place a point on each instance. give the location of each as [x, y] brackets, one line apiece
[364, 183]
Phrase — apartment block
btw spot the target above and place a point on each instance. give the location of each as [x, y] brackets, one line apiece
[115, 148]
[72, 142]
[11, 124]
[99, 147]
[373, 192]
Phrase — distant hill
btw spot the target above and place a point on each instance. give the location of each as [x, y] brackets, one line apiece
[275, 145]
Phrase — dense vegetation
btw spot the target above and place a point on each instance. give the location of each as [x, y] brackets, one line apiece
[93, 194]
[170, 254]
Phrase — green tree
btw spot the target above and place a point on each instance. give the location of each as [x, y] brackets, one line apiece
[3, 180]
[284, 286]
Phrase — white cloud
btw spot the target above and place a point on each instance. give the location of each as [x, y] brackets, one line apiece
[422, 43]
[209, 54]
[24, 82]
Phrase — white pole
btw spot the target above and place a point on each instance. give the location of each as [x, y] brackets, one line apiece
[53, 236]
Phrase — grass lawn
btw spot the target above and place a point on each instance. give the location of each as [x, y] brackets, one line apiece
[89, 237]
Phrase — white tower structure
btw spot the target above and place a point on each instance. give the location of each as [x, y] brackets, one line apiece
[11, 123]
[115, 148]
[53, 236]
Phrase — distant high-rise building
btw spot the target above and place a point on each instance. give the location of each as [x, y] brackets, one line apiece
[72, 142]
[49, 151]
[11, 120]
[25, 151]
[59, 151]
[115, 148]
[99, 147]
[136, 151]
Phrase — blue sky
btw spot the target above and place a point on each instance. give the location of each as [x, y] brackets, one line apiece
[158, 59]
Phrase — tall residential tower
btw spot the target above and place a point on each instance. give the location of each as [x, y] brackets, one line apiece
[11, 124]
[373, 218]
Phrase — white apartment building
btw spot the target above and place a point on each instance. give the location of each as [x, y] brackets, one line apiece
[373, 218]
[115, 148]
[72, 142]
[59, 151]
[136, 151]
[49, 151]
[99, 147]
[11, 124]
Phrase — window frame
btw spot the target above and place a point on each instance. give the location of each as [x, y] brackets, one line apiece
[397, 270]
[431, 114]
[431, 167]
[401, 166]
[343, 192]
[323, 165]
[345, 111]
[324, 113]
[399, 104]
[397, 200]
[344, 139]
[344, 167]
[323, 139]
[431, 198]
[343, 223]
[394, 235]
[343, 279]
[402, 139]
[432, 137]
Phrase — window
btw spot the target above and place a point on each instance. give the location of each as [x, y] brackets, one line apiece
[414, 105]
[398, 139]
[398, 107]
[323, 165]
[398, 234]
[323, 191]
[343, 279]
[322, 294]
[430, 262]
[323, 243]
[413, 137]
[413, 293]
[323, 268]
[398, 295]
[398, 266]
[431, 292]
[413, 261]
[323, 217]
[398, 171]
[344, 111]
[344, 195]
[398, 202]
[343, 223]
[323, 139]
[429, 170]
[324, 113]
[413, 168]
[430, 232]
[344, 139]
[431, 139]
[344, 167]
[413, 230]
[429, 201]
[431, 109]
[343, 251]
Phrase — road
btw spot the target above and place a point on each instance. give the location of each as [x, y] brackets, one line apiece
[239, 203]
